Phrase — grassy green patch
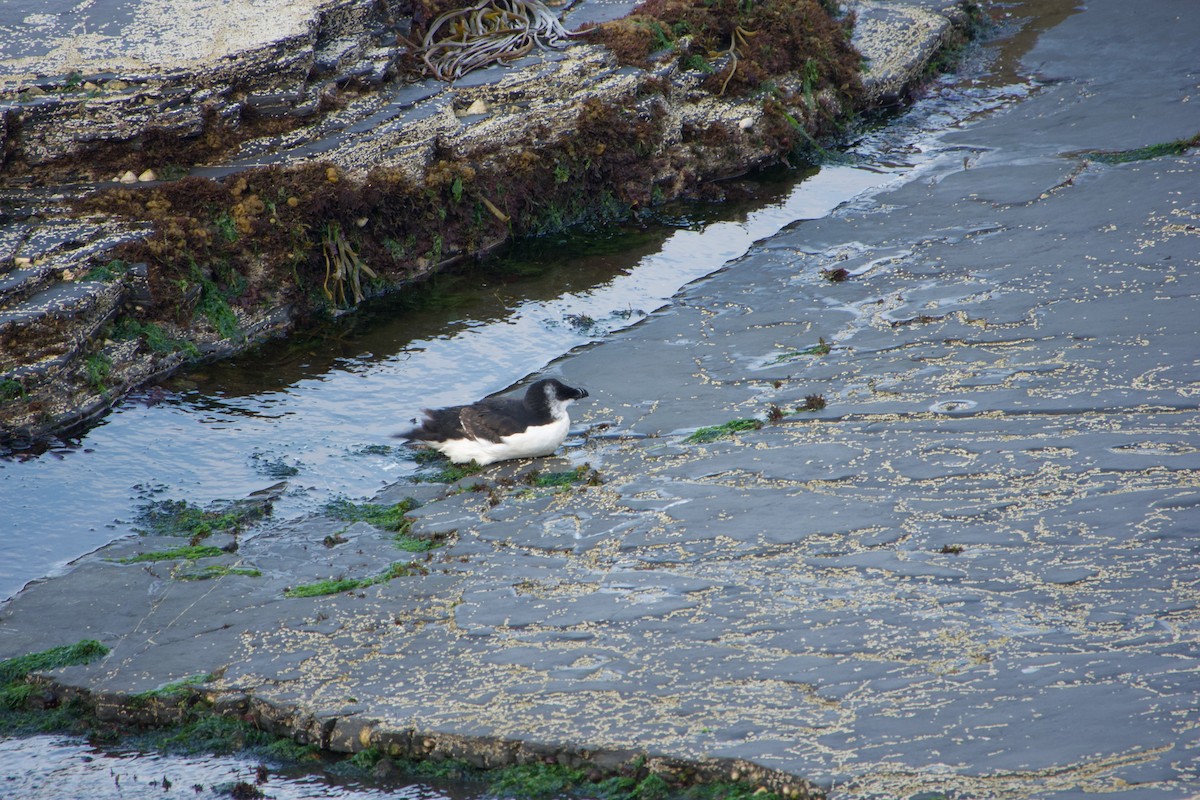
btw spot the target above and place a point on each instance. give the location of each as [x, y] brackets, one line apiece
[714, 432]
[190, 552]
[177, 688]
[226, 227]
[554, 480]
[11, 390]
[153, 336]
[107, 273]
[534, 781]
[390, 518]
[216, 309]
[622, 787]
[415, 544]
[82, 652]
[204, 733]
[15, 689]
[181, 518]
[210, 571]
[449, 472]
[210, 734]
[821, 348]
[543, 781]
[339, 585]
[1175, 148]
[97, 368]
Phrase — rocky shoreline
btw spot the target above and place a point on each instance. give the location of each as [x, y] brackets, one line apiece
[972, 572]
[279, 199]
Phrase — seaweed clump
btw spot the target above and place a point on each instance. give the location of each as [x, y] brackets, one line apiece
[312, 239]
[757, 41]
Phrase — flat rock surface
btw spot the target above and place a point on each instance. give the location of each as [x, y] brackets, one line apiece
[57, 37]
[973, 572]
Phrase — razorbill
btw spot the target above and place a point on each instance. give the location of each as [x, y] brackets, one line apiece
[500, 428]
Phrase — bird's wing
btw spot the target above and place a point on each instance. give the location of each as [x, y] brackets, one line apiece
[491, 421]
[439, 425]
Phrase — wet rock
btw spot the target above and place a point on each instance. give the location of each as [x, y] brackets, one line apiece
[897, 40]
[175, 69]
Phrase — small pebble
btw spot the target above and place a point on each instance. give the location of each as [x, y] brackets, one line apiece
[127, 177]
[746, 123]
[478, 107]
[148, 175]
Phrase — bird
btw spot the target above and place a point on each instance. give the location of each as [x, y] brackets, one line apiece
[500, 428]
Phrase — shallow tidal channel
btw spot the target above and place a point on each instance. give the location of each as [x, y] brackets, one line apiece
[320, 413]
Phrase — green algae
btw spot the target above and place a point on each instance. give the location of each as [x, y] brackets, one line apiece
[182, 518]
[557, 480]
[448, 472]
[11, 389]
[821, 348]
[726, 429]
[97, 368]
[108, 272]
[179, 688]
[210, 571]
[153, 336]
[16, 688]
[535, 781]
[197, 730]
[389, 518]
[215, 735]
[339, 585]
[415, 544]
[542, 781]
[273, 467]
[1174, 148]
[189, 552]
[82, 652]
[214, 307]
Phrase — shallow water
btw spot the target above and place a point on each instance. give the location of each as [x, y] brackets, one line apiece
[320, 414]
[56, 767]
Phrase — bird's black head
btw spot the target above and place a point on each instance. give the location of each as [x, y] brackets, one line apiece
[553, 393]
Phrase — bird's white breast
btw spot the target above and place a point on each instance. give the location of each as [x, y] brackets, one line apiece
[539, 440]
